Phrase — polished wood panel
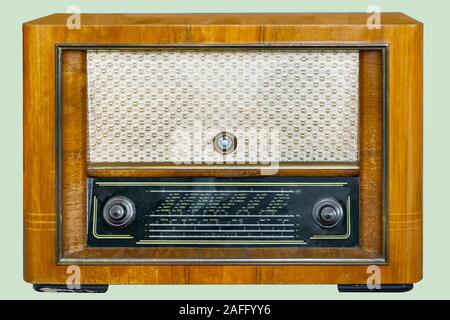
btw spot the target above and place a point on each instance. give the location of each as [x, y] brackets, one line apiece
[193, 172]
[371, 149]
[74, 100]
[239, 19]
[404, 37]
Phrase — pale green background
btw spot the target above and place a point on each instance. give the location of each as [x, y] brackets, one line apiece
[434, 14]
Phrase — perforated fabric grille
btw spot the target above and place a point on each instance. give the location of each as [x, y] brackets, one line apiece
[167, 105]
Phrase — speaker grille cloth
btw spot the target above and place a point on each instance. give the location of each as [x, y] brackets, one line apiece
[167, 105]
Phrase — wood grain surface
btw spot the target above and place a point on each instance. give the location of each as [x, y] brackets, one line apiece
[402, 34]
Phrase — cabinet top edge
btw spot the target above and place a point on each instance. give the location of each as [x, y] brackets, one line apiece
[234, 19]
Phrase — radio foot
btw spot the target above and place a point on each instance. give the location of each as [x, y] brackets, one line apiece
[394, 288]
[62, 288]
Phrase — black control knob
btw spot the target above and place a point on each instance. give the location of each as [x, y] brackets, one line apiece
[119, 212]
[327, 213]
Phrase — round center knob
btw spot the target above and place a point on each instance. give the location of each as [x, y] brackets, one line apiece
[119, 212]
[225, 142]
[327, 213]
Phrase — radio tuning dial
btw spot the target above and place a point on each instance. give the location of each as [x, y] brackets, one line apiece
[327, 213]
[119, 212]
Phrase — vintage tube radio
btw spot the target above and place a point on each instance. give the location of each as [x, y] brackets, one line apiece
[223, 149]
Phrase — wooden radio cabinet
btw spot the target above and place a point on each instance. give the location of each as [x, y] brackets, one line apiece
[120, 186]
